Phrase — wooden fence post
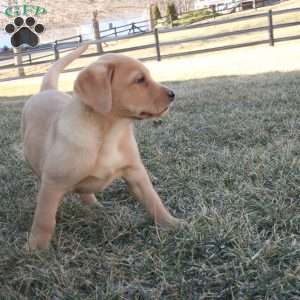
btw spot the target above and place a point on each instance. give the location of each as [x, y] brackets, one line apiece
[157, 44]
[271, 29]
[56, 53]
[19, 61]
[97, 32]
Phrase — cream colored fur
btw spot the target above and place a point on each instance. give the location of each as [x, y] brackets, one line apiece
[81, 143]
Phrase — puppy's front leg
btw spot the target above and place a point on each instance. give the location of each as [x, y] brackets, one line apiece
[140, 185]
[44, 221]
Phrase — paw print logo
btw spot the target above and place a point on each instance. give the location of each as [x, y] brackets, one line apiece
[24, 32]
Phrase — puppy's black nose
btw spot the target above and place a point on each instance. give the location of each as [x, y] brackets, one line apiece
[171, 95]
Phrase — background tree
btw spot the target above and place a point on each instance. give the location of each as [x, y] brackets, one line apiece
[186, 5]
[171, 12]
[96, 28]
[182, 6]
[154, 14]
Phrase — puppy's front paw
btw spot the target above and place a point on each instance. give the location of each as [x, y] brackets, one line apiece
[180, 223]
[37, 242]
[173, 222]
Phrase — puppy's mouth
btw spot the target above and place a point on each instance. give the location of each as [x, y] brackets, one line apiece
[146, 115]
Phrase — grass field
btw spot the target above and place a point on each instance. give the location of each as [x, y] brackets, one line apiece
[226, 159]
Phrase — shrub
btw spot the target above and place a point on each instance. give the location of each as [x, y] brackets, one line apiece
[171, 12]
[155, 12]
[194, 16]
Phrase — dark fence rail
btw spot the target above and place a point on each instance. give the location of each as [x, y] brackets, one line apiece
[65, 45]
[132, 28]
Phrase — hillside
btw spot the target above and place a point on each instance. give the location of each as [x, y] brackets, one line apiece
[69, 14]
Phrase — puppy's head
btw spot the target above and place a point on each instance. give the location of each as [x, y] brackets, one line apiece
[122, 86]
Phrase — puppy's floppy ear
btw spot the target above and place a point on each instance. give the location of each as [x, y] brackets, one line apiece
[93, 86]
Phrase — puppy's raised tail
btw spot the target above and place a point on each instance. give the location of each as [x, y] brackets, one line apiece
[50, 80]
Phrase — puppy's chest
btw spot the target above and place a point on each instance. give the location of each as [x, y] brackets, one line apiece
[108, 166]
[109, 163]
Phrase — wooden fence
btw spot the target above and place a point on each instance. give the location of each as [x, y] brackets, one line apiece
[60, 46]
[128, 29]
[270, 29]
[65, 45]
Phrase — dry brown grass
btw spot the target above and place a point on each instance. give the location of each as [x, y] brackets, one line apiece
[226, 159]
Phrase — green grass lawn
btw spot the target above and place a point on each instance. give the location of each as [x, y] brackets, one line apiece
[226, 159]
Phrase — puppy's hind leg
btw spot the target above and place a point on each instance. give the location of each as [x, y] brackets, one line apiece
[90, 199]
[48, 200]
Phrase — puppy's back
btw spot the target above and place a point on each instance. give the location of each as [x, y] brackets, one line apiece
[38, 116]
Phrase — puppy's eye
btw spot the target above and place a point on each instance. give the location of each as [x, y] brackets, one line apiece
[140, 80]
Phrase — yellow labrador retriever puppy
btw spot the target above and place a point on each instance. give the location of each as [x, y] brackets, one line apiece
[81, 143]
